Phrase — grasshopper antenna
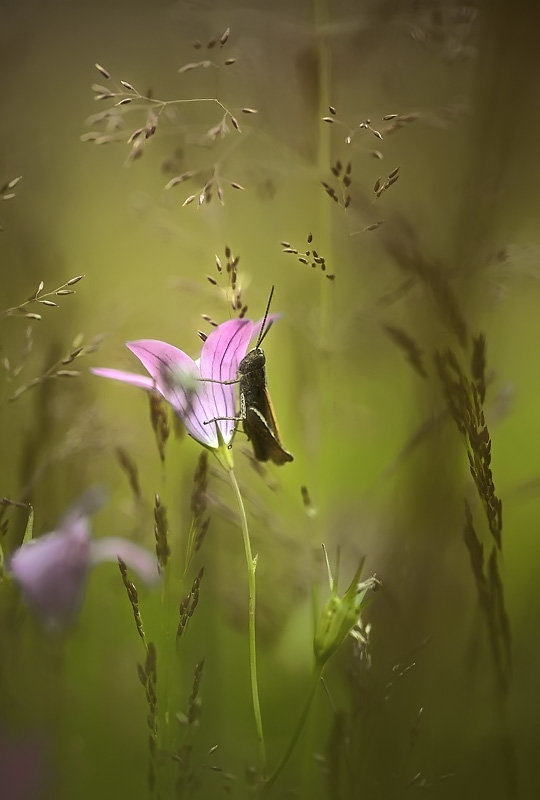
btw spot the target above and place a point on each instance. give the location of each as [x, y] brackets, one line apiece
[263, 331]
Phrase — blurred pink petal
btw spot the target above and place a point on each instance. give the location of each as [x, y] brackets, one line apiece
[136, 558]
[51, 571]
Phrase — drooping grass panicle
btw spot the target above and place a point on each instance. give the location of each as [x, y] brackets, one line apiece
[200, 519]
[464, 400]
[147, 674]
[13, 365]
[400, 240]
[41, 298]
[151, 114]
[161, 532]
[130, 468]
[476, 553]
[478, 365]
[150, 672]
[382, 184]
[7, 192]
[371, 226]
[189, 604]
[133, 597]
[212, 44]
[194, 704]
[398, 121]
[229, 278]
[311, 257]
[465, 396]
[500, 614]
[352, 129]
[342, 180]
[490, 592]
[309, 507]
[57, 370]
[189, 721]
[407, 344]
[445, 300]
[160, 421]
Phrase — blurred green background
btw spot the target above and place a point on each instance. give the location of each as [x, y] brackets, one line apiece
[385, 465]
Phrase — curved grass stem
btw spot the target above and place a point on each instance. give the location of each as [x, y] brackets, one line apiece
[299, 726]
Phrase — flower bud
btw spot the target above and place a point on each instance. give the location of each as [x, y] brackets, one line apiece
[340, 615]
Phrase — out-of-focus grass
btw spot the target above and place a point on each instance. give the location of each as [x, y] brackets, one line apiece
[347, 401]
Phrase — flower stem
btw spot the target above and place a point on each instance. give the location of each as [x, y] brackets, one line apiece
[251, 565]
[299, 726]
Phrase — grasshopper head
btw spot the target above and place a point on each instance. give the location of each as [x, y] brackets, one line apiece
[253, 360]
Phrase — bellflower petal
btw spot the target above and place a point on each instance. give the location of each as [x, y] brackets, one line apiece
[197, 390]
[178, 378]
[136, 558]
[221, 354]
[51, 571]
[127, 377]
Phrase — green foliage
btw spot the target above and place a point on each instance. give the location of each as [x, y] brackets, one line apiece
[376, 165]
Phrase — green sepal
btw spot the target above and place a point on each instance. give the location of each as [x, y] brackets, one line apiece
[340, 615]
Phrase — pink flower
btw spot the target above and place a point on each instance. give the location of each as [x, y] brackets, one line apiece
[51, 571]
[177, 377]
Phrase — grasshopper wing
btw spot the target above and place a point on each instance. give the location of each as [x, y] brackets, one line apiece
[262, 431]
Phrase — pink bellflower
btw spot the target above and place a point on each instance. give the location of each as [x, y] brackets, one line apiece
[196, 389]
[51, 571]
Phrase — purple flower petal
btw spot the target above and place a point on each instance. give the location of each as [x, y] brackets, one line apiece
[177, 378]
[126, 377]
[181, 380]
[136, 558]
[221, 353]
[158, 357]
[51, 572]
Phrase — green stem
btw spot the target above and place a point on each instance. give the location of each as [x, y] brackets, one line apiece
[299, 727]
[251, 565]
[324, 150]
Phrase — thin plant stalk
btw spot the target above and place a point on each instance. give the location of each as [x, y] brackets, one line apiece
[251, 566]
[324, 221]
[317, 673]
